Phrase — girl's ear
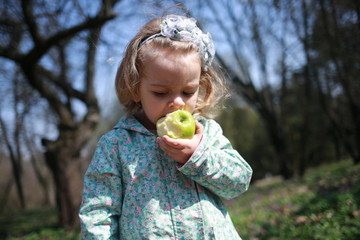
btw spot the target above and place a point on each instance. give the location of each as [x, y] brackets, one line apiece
[136, 99]
[136, 96]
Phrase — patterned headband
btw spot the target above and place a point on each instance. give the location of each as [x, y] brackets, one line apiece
[180, 28]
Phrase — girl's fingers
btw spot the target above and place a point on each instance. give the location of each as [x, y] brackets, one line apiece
[199, 128]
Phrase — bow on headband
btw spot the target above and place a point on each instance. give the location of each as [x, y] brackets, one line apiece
[180, 28]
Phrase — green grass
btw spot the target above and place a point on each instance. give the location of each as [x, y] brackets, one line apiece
[325, 204]
[34, 224]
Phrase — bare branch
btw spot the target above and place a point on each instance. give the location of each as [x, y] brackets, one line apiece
[30, 22]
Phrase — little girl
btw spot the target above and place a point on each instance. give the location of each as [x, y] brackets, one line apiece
[140, 186]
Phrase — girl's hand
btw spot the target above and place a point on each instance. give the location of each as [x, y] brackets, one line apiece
[181, 149]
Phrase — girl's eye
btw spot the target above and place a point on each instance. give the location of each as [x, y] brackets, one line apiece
[188, 93]
[159, 94]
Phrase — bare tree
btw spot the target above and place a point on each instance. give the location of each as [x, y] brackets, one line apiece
[34, 33]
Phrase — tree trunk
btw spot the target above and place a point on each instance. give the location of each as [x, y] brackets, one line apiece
[61, 164]
[64, 160]
[64, 202]
[16, 165]
[278, 140]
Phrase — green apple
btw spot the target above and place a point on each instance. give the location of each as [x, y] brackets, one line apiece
[178, 124]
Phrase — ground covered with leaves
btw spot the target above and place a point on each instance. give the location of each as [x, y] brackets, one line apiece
[325, 204]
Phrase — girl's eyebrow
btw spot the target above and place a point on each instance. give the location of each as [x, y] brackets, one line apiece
[155, 84]
[159, 84]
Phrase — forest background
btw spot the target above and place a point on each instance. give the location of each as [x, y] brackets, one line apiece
[292, 67]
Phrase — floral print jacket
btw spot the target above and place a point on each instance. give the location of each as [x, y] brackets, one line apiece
[133, 190]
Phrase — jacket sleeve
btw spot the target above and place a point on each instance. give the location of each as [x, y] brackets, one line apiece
[102, 195]
[216, 165]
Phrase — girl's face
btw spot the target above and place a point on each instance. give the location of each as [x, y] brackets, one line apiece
[169, 82]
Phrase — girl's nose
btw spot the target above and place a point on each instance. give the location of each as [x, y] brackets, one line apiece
[177, 102]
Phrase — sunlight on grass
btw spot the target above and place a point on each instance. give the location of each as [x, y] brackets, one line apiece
[325, 204]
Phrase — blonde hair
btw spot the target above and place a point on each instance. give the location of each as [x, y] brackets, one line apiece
[212, 89]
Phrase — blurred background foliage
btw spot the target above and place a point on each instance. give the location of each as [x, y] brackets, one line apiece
[292, 68]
